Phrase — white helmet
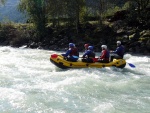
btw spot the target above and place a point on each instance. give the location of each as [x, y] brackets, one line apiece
[118, 42]
[104, 46]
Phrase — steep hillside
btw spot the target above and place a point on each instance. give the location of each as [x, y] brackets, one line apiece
[9, 12]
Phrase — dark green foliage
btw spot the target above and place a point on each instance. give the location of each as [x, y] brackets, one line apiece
[15, 35]
[54, 21]
[6, 32]
[36, 9]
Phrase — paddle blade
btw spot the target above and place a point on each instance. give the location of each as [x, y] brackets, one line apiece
[75, 56]
[54, 56]
[131, 65]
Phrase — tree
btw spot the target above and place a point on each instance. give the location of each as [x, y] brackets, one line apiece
[101, 6]
[37, 13]
[56, 11]
[79, 4]
[69, 9]
[140, 4]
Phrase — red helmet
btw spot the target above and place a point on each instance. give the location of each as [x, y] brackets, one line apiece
[86, 45]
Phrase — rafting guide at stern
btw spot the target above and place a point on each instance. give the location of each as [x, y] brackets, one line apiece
[118, 53]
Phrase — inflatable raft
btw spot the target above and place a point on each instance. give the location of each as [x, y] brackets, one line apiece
[59, 61]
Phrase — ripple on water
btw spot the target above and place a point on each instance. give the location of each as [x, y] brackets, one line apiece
[30, 83]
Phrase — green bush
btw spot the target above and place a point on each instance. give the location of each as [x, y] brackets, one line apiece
[16, 34]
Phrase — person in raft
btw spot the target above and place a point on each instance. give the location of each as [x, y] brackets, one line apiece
[118, 53]
[104, 58]
[72, 53]
[88, 55]
[86, 47]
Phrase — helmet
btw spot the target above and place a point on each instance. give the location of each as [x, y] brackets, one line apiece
[118, 42]
[104, 46]
[71, 45]
[90, 47]
[86, 45]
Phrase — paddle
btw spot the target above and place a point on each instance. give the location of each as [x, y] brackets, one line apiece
[131, 65]
[94, 59]
[76, 56]
[55, 56]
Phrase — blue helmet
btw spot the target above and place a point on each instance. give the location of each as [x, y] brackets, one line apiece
[90, 47]
[71, 45]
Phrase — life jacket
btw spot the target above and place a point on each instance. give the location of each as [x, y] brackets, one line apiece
[91, 54]
[74, 51]
[120, 51]
[105, 55]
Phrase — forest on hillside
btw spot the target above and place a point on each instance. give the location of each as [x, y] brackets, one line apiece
[57, 22]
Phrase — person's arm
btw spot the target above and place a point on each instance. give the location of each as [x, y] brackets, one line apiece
[86, 53]
[67, 53]
[116, 51]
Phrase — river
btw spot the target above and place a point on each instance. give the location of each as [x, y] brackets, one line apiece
[30, 83]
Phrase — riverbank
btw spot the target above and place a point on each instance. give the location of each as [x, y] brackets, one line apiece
[135, 37]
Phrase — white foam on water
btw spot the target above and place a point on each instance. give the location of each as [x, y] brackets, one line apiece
[30, 83]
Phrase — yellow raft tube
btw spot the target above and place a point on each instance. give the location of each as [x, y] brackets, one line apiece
[59, 61]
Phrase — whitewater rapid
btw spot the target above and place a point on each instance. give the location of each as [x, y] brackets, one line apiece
[30, 83]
